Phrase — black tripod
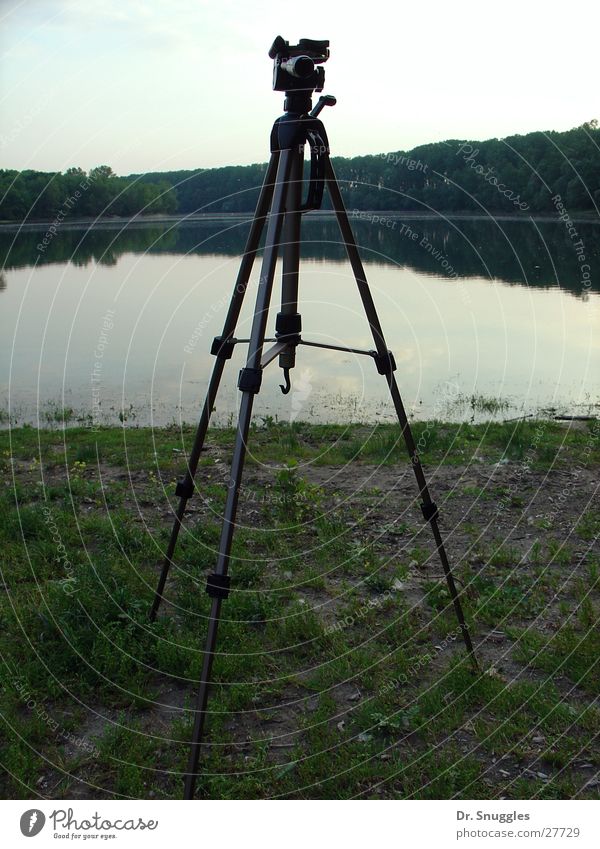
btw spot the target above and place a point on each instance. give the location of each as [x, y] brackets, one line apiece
[281, 196]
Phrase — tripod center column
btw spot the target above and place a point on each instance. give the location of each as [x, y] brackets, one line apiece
[288, 323]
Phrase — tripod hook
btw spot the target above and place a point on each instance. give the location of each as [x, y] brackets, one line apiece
[286, 388]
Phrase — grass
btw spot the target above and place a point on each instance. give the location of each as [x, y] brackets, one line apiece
[537, 443]
[330, 683]
[479, 403]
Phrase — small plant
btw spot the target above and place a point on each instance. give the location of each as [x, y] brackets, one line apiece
[59, 415]
[398, 721]
[127, 414]
[378, 583]
[293, 497]
[588, 526]
[437, 595]
[89, 453]
[535, 553]
[77, 469]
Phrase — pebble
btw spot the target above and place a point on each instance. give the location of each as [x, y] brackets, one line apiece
[496, 636]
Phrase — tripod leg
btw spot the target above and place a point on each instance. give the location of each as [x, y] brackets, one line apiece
[185, 487]
[386, 366]
[249, 383]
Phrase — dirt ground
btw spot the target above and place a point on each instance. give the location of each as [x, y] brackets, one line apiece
[503, 519]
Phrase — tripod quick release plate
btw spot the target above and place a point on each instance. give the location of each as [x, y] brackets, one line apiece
[318, 51]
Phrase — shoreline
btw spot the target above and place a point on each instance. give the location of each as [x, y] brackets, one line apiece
[414, 215]
[314, 429]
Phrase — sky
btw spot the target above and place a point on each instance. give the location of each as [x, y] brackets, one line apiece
[157, 85]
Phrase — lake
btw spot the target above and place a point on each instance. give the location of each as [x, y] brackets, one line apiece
[486, 318]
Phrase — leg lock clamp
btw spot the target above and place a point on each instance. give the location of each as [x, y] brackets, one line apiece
[385, 363]
[430, 511]
[223, 347]
[288, 326]
[184, 488]
[217, 586]
[250, 380]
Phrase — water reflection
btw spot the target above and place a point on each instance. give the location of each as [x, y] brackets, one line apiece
[527, 252]
[467, 344]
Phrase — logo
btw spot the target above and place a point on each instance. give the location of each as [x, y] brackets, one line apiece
[32, 822]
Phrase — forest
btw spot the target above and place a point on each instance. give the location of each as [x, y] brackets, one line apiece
[518, 174]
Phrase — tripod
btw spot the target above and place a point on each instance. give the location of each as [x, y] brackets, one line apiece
[281, 197]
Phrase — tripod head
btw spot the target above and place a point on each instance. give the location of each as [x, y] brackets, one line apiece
[295, 71]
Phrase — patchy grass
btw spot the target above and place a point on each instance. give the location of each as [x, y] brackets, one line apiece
[539, 444]
[340, 671]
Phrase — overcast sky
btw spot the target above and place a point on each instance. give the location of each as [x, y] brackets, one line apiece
[145, 85]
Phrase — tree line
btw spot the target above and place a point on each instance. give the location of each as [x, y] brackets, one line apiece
[39, 195]
[521, 173]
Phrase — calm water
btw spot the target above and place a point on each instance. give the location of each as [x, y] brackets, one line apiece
[116, 322]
